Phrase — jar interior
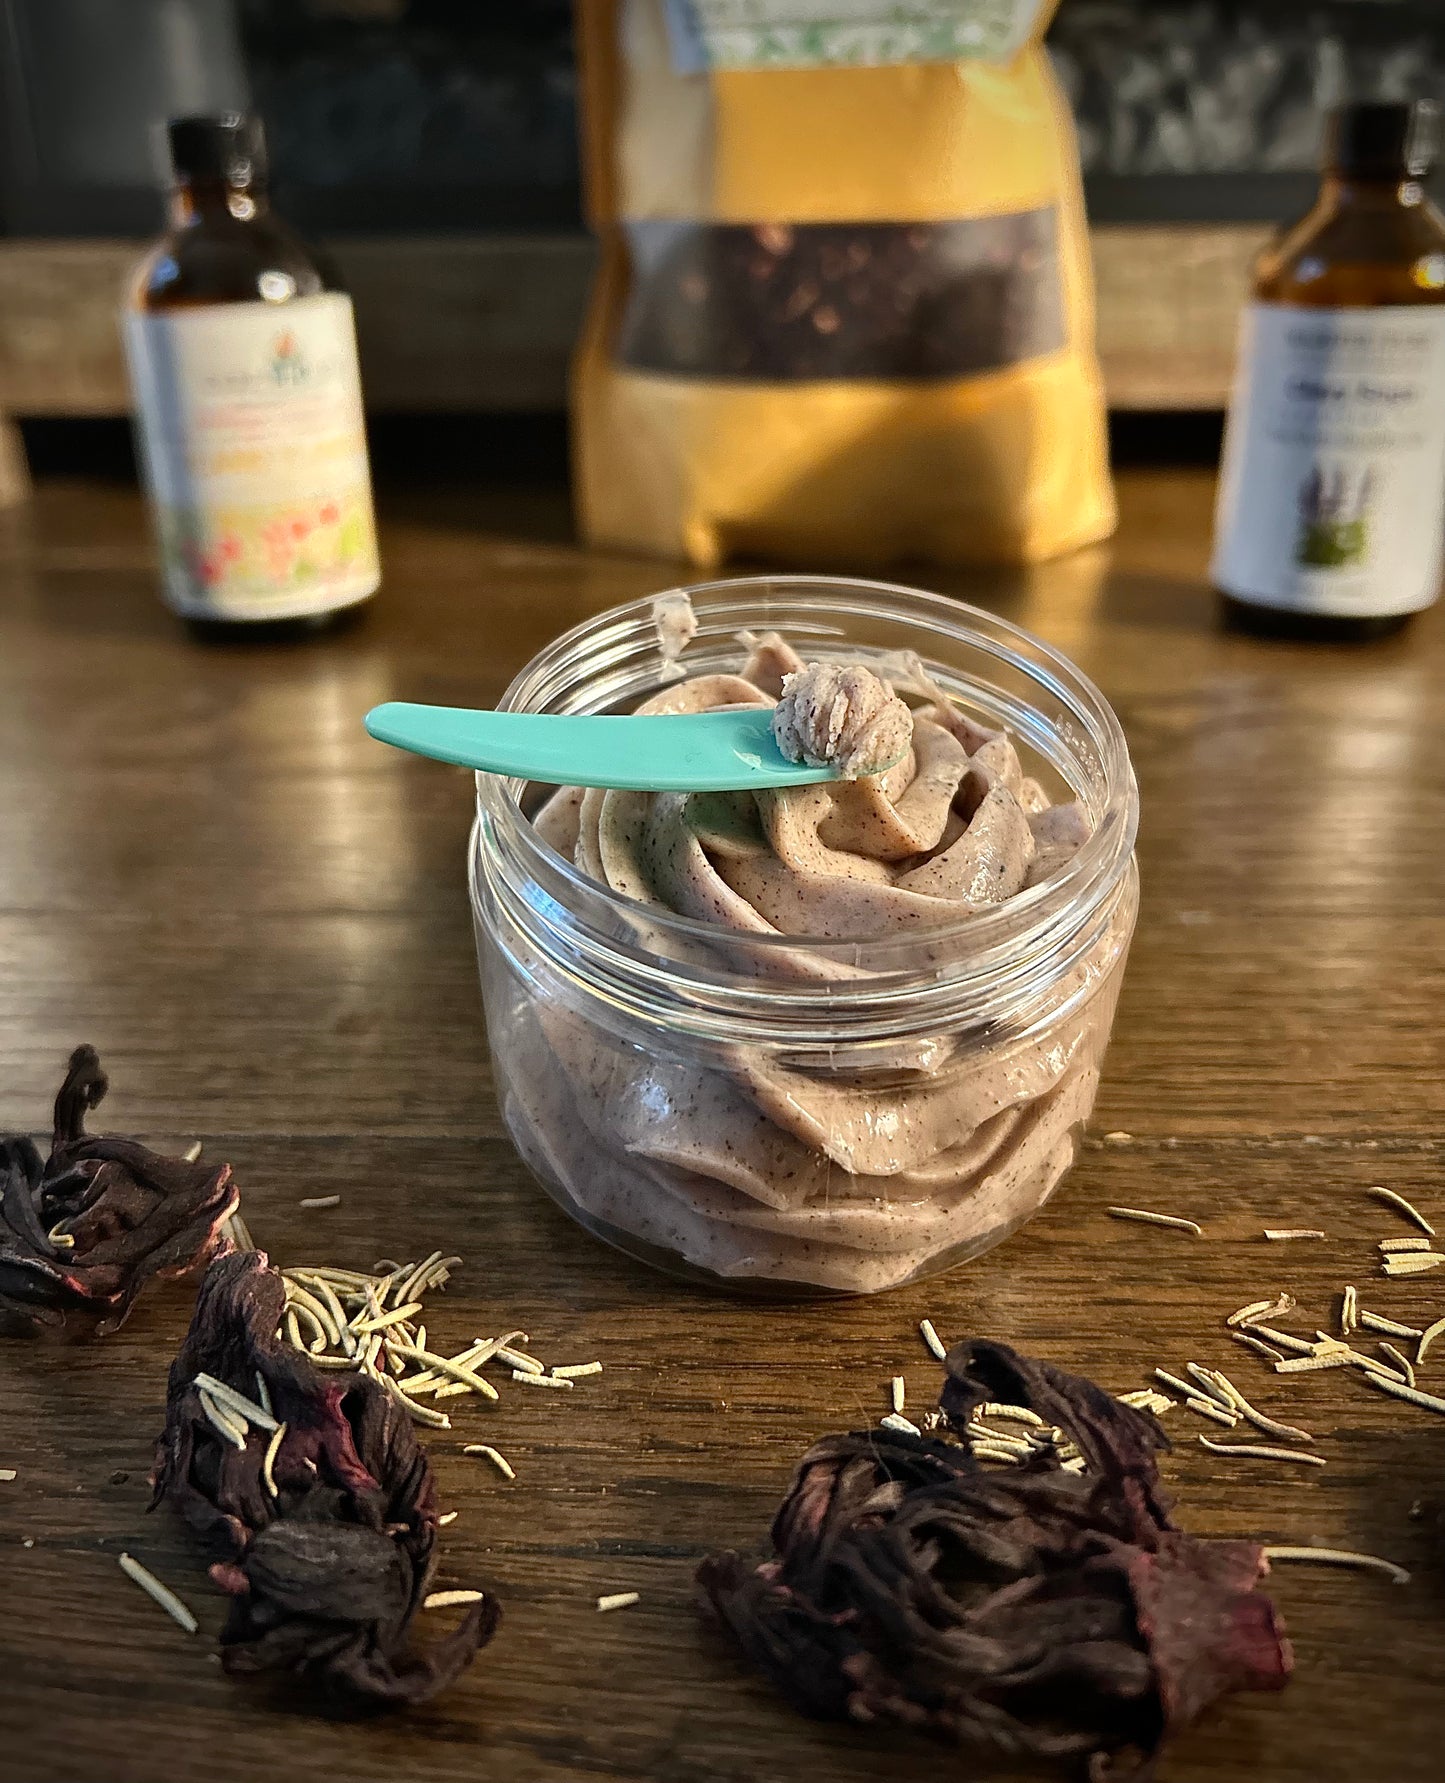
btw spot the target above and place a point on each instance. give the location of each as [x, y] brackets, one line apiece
[997, 675]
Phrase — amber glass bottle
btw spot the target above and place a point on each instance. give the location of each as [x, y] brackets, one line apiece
[1331, 513]
[247, 403]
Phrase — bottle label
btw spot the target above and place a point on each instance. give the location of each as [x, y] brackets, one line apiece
[252, 436]
[1332, 490]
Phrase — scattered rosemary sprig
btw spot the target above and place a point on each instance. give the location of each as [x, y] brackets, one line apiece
[1427, 1337]
[1373, 1321]
[1258, 1451]
[1412, 1262]
[157, 1592]
[896, 1421]
[1402, 1206]
[1341, 1557]
[1260, 1310]
[1389, 1384]
[371, 1321]
[1146, 1218]
[495, 1456]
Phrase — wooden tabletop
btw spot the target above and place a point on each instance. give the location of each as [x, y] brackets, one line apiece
[260, 919]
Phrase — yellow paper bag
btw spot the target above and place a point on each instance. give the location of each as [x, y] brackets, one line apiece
[844, 310]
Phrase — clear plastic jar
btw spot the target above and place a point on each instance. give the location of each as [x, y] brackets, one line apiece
[778, 1113]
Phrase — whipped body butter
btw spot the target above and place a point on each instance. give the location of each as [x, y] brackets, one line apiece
[830, 1037]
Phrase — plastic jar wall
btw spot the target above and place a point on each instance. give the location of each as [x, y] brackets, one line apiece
[782, 1113]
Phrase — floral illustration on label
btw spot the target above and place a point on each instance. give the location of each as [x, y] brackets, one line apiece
[269, 551]
[288, 363]
[1335, 517]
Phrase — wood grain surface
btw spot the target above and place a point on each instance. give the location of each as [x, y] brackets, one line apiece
[259, 917]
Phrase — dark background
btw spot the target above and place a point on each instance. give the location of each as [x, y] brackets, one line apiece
[442, 115]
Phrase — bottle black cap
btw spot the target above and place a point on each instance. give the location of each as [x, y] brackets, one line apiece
[1383, 141]
[229, 147]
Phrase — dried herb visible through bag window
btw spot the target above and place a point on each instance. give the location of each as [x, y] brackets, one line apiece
[1028, 1608]
[784, 302]
[82, 1231]
[316, 1489]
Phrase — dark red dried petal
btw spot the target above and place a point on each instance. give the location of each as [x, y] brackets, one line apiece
[1209, 1631]
[1027, 1609]
[83, 1089]
[327, 1576]
[133, 1214]
[335, 1598]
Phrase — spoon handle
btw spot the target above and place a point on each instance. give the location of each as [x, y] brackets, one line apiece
[682, 752]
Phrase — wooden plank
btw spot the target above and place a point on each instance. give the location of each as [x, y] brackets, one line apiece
[449, 323]
[14, 472]
[1169, 300]
[59, 346]
[486, 324]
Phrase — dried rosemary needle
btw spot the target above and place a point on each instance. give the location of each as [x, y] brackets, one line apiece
[1391, 1199]
[1388, 1384]
[495, 1456]
[1146, 1218]
[1262, 1452]
[1341, 1557]
[1427, 1337]
[157, 1592]
[896, 1421]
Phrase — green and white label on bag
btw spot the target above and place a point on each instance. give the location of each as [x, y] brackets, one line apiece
[845, 33]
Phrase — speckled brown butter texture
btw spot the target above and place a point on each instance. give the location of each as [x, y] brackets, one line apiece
[848, 1169]
[841, 716]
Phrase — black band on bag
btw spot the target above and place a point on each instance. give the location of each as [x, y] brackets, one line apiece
[801, 302]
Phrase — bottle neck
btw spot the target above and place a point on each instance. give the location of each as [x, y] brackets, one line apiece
[1352, 191]
[212, 201]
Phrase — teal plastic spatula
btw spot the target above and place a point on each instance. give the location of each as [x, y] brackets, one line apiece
[681, 752]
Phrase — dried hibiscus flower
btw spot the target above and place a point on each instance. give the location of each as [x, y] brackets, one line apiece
[82, 1231]
[1031, 1608]
[317, 1490]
